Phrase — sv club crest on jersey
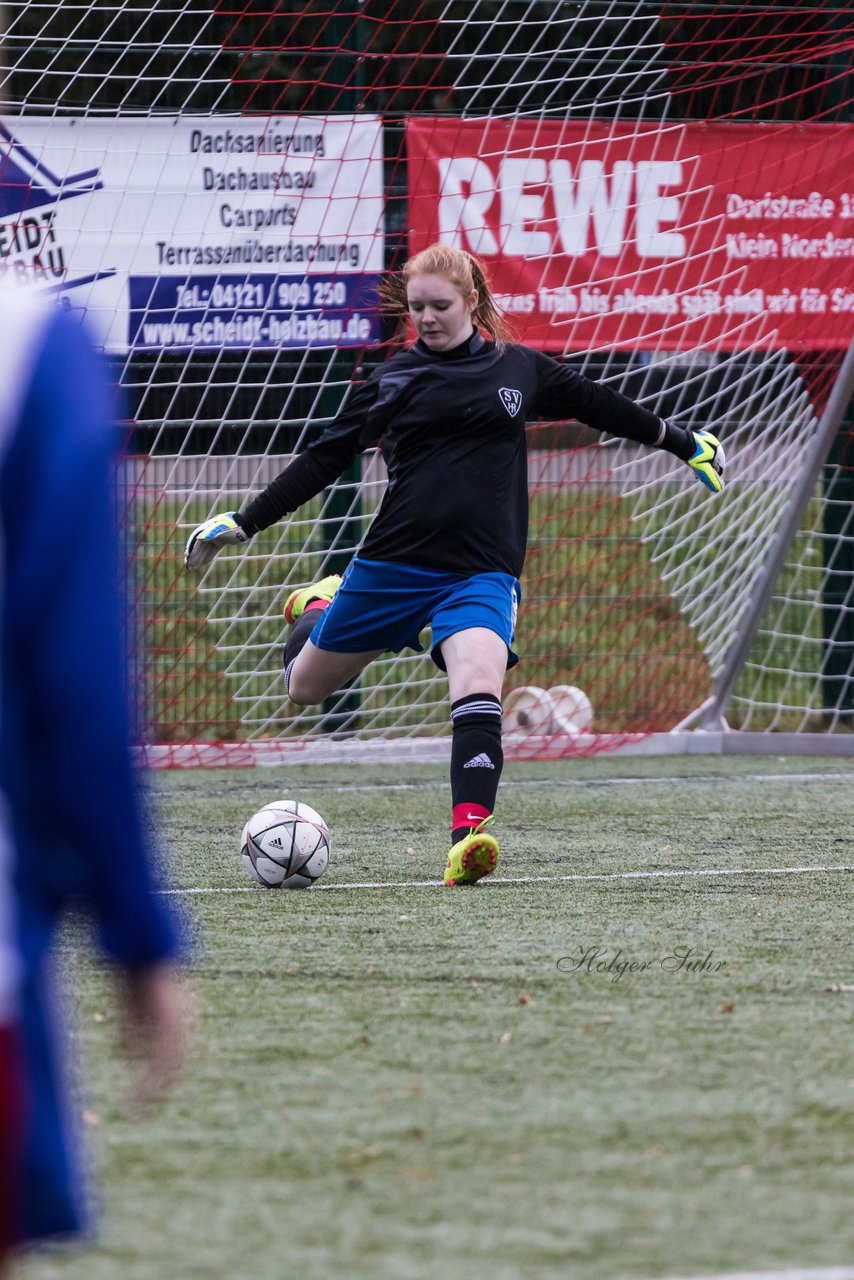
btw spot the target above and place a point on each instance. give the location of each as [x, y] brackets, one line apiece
[512, 400]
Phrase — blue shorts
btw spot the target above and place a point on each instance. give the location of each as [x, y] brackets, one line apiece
[380, 605]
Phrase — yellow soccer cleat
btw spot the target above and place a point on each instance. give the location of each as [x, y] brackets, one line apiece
[707, 462]
[323, 590]
[472, 857]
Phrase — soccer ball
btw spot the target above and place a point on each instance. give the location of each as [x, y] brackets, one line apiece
[285, 845]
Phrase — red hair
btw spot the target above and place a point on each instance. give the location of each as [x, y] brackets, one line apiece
[465, 272]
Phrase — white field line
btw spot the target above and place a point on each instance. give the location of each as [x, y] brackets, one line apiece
[437, 784]
[798, 1273]
[495, 880]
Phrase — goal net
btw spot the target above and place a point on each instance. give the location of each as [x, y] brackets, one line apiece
[661, 194]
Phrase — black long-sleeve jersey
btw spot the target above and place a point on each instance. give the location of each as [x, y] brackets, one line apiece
[452, 427]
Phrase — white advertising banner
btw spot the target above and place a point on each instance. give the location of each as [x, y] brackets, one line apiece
[183, 232]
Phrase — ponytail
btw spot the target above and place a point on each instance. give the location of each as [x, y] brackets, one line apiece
[486, 314]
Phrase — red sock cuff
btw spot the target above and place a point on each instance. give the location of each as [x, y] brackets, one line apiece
[468, 815]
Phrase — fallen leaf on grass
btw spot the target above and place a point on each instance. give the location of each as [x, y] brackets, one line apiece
[366, 1153]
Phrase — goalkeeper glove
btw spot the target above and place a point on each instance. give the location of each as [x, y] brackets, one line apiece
[209, 538]
[707, 460]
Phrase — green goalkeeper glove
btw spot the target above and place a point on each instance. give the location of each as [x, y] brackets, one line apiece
[209, 538]
[707, 461]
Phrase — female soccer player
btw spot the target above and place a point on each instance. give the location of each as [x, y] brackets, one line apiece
[446, 547]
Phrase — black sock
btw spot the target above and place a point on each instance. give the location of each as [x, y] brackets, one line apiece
[476, 760]
[300, 632]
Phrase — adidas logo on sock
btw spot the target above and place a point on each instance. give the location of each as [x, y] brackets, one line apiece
[480, 762]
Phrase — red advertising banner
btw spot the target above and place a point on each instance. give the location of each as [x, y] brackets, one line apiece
[629, 234]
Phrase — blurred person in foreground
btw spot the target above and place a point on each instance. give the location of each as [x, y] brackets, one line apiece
[71, 830]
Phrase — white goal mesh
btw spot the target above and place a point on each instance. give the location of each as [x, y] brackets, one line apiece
[219, 188]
